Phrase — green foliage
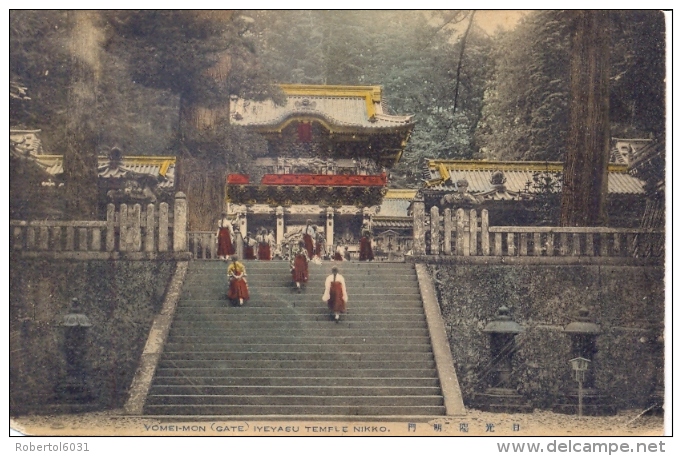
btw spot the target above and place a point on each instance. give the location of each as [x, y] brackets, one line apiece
[413, 55]
[638, 73]
[137, 119]
[526, 103]
[525, 114]
[39, 61]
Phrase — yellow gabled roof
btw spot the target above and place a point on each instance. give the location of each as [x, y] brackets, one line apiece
[483, 165]
[371, 94]
[400, 193]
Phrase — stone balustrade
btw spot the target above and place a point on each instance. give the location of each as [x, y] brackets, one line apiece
[128, 229]
[466, 233]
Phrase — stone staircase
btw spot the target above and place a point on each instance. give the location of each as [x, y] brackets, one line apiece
[281, 355]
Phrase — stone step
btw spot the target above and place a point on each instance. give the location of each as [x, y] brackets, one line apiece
[284, 271]
[294, 339]
[284, 312]
[284, 277]
[280, 354]
[297, 364]
[292, 316]
[253, 306]
[294, 356]
[357, 391]
[285, 274]
[375, 287]
[337, 329]
[324, 410]
[342, 265]
[293, 372]
[256, 381]
[321, 332]
[283, 292]
[193, 345]
[310, 300]
[298, 400]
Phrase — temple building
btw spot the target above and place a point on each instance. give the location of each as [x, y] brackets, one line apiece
[122, 179]
[520, 193]
[329, 151]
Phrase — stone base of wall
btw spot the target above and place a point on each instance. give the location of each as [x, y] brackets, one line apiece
[626, 301]
[119, 297]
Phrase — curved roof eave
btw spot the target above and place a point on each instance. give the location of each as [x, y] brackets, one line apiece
[331, 124]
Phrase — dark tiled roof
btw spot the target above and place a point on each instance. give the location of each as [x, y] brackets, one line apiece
[151, 166]
[517, 175]
[339, 106]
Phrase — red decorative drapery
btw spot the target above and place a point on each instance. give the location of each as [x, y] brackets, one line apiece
[237, 179]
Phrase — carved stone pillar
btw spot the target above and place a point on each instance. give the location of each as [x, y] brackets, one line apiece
[330, 228]
[180, 223]
[367, 218]
[242, 222]
[435, 231]
[418, 234]
[279, 211]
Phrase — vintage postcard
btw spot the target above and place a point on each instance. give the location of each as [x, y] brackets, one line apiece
[339, 223]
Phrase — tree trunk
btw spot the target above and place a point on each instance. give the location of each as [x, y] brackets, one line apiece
[585, 185]
[80, 154]
[203, 179]
[204, 184]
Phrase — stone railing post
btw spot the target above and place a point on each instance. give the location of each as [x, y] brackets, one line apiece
[447, 231]
[473, 232]
[134, 228]
[111, 228]
[149, 232]
[123, 227]
[180, 223]
[435, 231]
[163, 227]
[459, 237]
[418, 219]
[485, 234]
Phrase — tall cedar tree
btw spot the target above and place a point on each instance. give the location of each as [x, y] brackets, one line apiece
[587, 152]
[203, 57]
[80, 154]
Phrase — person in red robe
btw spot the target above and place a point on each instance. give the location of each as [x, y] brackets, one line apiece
[249, 247]
[366, 253]
[299, 266]
[308, 236]
[335, 294]
[338, 254]
[239, 289]
[319, 245]
[263, 245]
[224, 237]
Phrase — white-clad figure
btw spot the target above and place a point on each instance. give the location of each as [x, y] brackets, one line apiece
[335, 294]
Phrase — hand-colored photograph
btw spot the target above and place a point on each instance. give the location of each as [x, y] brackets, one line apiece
[338, 223]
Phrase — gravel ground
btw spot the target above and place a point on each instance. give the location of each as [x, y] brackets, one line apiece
[539, 423]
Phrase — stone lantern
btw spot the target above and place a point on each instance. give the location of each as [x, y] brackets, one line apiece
[583, 333]
[74, 387]
[501, 395]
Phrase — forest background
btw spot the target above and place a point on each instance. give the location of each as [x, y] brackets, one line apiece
[96, 80]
